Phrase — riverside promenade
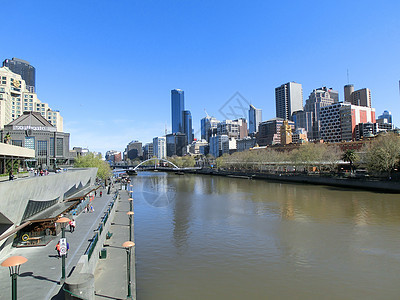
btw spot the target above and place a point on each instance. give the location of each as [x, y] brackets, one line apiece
[40, 275]
[111, 273]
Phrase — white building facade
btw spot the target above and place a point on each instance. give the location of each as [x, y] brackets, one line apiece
[160, 147]
[15, 98]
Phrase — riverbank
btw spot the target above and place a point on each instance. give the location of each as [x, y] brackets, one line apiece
[344, 182]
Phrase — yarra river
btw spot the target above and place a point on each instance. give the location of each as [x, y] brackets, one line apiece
[210, 237]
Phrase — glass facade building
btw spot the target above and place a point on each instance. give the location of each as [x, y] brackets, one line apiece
[188, 127]
[23, 68]
[177, 109]
[255, 118]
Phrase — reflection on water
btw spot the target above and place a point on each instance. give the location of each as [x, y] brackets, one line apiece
[209, 237]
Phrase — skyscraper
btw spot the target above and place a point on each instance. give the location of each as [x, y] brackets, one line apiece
[289, 98]
[360, 97]
[177, 108]
[255, 118]
[24, 69]
[187, 126]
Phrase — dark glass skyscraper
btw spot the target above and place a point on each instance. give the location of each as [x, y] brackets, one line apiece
[177, 108]
[255, 116]
[188, 128]
[24, 69]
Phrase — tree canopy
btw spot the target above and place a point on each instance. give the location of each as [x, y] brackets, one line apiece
[384, 153]
[94, 161]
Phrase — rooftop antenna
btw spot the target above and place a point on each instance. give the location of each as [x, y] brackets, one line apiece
[166, 129]
[206, 113]
[348, 81]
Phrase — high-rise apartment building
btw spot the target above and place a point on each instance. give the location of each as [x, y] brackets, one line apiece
[15, 99]
[23, 68]
[177, 108]
[288, 98]
[255, 118]
[360, 97]
[160, 147]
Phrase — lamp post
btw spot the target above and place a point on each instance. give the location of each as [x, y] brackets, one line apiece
[128, 245]
[130, 214]
[13, 263]
[63, 221]
[130, 204]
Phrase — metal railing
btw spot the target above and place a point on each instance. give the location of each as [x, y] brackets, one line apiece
[72, 294]
[104, 219]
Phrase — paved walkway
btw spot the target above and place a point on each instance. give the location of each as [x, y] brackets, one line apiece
[111, 273]
[40, 275]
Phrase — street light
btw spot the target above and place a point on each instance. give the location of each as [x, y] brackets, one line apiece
[130, 214]
[13, 263]
[63, 221]
[128, 245]
[130, 204]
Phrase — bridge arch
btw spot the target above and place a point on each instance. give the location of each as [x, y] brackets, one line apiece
[156, 159]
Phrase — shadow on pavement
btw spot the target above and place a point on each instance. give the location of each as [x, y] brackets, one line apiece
[38, 277]
[107, 297]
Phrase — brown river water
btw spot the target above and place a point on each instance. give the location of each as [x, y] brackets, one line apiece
[209, 237]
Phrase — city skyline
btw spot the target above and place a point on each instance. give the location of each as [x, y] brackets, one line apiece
[88, 69]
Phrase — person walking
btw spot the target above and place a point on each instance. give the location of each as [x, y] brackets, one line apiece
[101, 193]
[72, 225]
[58, 249]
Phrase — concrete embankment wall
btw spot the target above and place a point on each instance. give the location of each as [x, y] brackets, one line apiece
[15, 195]
[81, 281]
[361, 183]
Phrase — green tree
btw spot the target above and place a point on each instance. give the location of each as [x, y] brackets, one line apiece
[384, 153]
[351, 156]
[94, 161]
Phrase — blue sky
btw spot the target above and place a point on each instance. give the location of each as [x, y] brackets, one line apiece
[109, 66]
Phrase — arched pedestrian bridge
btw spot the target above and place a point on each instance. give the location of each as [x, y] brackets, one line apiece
[144, 165]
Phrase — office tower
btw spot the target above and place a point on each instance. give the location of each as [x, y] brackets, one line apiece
[187, 126]
[318, 98]
[24, 69]
[288, 98]
[15, 99]
[207, 125]
[338, 121]
[360, 97]
[177, 108]
[255, 118]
